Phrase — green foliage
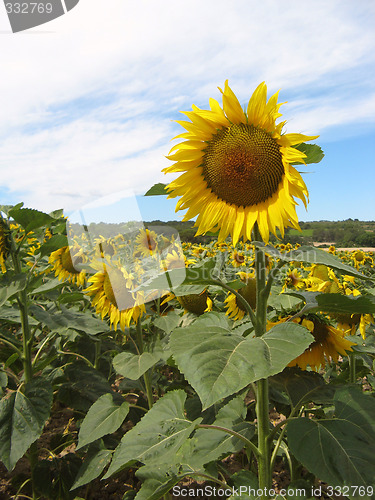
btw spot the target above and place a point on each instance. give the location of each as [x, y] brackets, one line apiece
[192, 390]
[208, 445]
[29, 218]
[10, 284]
[339, 450]
[22, 418]
[157, 190]
[157, 437]
[104, 417]
[218, 362]
[313, 152]
[94, 464]
[133, 366]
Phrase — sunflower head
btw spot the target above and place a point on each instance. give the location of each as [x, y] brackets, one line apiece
[64, 262]
[238, 259]
[146, 243]
[196, 303]
[329, 343]
[293, 279]
[111, 290]
[237, 167]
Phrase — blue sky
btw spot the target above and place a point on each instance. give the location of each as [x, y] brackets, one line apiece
[88, 101]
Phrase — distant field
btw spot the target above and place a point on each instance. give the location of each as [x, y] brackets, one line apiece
[303, 232]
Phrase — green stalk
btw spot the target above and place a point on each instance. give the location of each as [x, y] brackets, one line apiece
[98, 350]
[27, 338]
[146, 376]
[262, 399]
[27, 345]
[352, 369]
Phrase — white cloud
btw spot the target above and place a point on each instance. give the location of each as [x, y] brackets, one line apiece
[87, 100]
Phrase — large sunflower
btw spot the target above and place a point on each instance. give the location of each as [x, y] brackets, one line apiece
[238, 168]
[111, 291]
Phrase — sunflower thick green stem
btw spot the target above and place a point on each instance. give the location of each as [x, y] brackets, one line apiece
[22, 300]
[352, 368]
[146, 376]
[27, 346]
[262, 395]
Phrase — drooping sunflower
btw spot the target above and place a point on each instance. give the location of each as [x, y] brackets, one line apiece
[238, 168]
[112, 296]
[196, 303]
[329, 343]
[64, 261]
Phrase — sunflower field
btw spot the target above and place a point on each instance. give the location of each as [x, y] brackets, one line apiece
[143, 367]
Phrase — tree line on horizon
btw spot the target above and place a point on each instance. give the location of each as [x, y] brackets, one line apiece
[346, 233]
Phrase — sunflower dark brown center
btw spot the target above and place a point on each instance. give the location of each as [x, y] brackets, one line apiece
[195, 303]
[249, 292]
[320, 333]
[243, 165]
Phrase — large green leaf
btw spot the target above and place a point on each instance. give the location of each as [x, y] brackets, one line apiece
[168, 323]
[157, 190]
[340, 450]
[50, 284]
[22, 418]
[356, 407]
[335, 450]
[313, 152]
[156, 481]
[218, 362]
[157, 437]
[104, 417]
[10, 284]
[83, 386]
[245, 484]
[133, 366]
[29, 218]
[208, 445]
[92, 467]
[56, 242]
[60, 321]
[301, 386]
